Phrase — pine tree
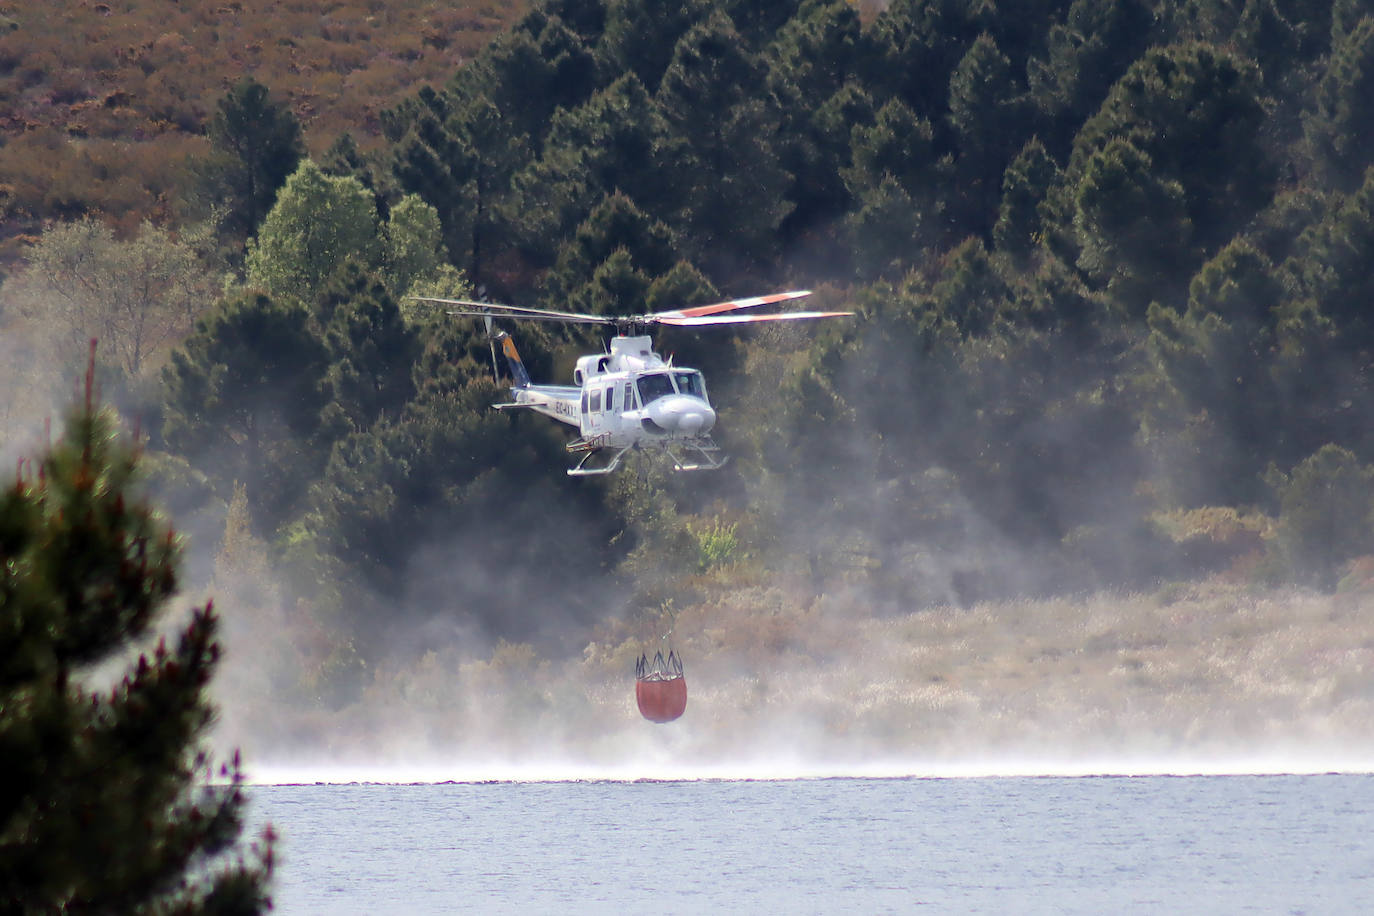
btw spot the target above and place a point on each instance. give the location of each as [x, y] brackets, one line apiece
[1344, 110]
[106, 805]
[1025, 185]
[987, 116]
[243, 397]
[259, 144]
[734, 185]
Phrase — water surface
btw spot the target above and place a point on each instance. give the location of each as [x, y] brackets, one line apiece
[1146, 844]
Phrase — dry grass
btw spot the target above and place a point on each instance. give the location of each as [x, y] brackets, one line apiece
[1220, 670]
[102, 101]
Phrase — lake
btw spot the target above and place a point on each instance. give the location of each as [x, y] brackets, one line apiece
[1141, 844]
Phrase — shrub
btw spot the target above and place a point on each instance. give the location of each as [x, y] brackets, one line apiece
[716, 544]
[1326, 514]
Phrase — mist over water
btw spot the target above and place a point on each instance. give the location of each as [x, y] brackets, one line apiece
[1218, 680]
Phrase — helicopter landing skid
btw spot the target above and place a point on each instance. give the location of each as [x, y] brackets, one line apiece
[583, 471]
[695, 456]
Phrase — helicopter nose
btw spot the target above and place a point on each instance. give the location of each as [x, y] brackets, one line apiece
[688, 416]
[691, 422]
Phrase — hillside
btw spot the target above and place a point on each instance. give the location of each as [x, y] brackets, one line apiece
[101, 102]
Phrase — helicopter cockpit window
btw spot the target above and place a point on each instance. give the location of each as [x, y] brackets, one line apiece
[653, 387]
[629, 396]
[596, 401]
[690, 383]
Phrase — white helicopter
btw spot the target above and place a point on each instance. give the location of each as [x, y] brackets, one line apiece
[628, 397]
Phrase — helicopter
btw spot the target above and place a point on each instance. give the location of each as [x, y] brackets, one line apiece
[628, 397]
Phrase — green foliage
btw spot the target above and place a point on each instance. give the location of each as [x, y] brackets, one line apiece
[1326, 514]
[608, 264]
[371, 348]
[1132, 226]
[1331, 259]
[1025, 186]
[1344, 109]
[987, 116]
[639, 37]
[412, 245]
[731, 183]
[716, 544]
[258, 143]
[1195, 112]
[447, 282]
[449, 471]
[616, 144]
[1085, 55]
[318, 224]
[107, 805]
[243, 399]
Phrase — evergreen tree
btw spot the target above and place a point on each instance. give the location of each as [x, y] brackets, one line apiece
[617, 287]
[481, 486]
[458, 151]
[616, 143]
[1325, 514]
[1132, 227]
[243, 401]
[106, 805]
[1219, 360]
[615, 225]
[893, 178]
[372, 351]
[639, 37]
[896, 145]
[918, 43]
[1344, 115]
[1025, 186]
[343, 159]
[733, 185]
[885, 230]
[530, 72]
[987, 116]
[1196, 112]
[1331, 265]
[259, 142]
[428, 161]
[1084, 56]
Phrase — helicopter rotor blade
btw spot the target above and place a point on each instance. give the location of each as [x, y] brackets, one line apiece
[521, 316]
[491, 342]
[694, 321]
[692, 316]
[496, 310]
[697, 311]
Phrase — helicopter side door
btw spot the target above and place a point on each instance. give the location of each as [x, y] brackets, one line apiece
[596, 409]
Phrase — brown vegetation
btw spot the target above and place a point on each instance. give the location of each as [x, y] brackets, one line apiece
[101, 102]
[1208, 671]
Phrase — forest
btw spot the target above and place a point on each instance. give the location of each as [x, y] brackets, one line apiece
[1107, 259]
